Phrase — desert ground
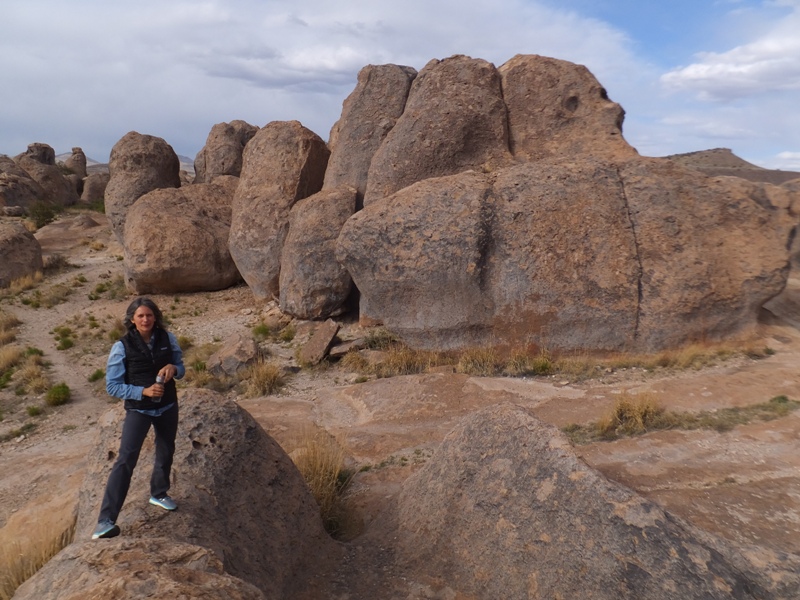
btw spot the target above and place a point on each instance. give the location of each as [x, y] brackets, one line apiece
[743, 485]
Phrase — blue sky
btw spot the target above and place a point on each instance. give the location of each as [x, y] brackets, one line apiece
[690, 75]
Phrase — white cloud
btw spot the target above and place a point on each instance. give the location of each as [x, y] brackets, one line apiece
[765, 65]
[86, 72]
[94, 70]
[786, 161]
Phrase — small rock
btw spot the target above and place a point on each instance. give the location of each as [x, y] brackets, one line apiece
[316, 349]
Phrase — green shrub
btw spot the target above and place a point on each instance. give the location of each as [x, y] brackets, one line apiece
[287, 333]
[261, 331]
[97, 375]
[58, 394]
[34, 411]
[65, 344]
[42, 213]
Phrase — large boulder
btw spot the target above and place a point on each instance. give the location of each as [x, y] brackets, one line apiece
[176, 239]
[239, 495]
[76, 162]
[143, 568]
[20, 252]
[283, 163]
[313, 284]
[138, 164]
[505, 509]
[17, 188]
[39, 161]
[591, 255]
[368, 115]
[222, 154]
[454, 120]
[94, 188]
[558, 109]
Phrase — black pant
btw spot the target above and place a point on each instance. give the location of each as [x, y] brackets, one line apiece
[134, 431]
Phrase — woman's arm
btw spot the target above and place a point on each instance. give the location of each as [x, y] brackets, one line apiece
[115, 376]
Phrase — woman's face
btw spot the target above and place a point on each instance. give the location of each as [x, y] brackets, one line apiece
[144, 320]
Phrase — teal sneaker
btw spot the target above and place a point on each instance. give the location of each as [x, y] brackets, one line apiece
[105, 529]
[164, 502]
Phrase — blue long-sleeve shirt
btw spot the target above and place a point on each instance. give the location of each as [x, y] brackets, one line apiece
[115, 374]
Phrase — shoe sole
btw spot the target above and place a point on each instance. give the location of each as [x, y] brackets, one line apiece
[113, 532]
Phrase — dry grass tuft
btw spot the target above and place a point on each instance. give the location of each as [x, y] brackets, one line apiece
[402, 360]
[10, 357]
[263, 378]
[320, 459]
[631, 415]
[20, 560]
[638, 415]
[8, 326]
[24, 283]
[353, 361]
[522, 362]
[481, 362]
[380, 338]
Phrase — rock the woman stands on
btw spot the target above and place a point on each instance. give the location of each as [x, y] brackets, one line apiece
[144, 354]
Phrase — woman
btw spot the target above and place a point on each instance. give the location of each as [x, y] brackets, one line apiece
[142, 355]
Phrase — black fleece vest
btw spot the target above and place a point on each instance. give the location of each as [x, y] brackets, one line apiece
[142, 366]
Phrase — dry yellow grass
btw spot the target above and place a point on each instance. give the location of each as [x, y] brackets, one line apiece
[8, 326]
[263, 378]
[481, 362]
[20, 560]
[10, 356]
[24, 283]
[353, 361]
[402, 360]
[630, 415]
[320, 459]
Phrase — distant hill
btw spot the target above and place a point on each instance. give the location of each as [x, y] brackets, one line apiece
[722, 161]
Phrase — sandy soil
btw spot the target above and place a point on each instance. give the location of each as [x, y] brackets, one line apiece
[743, 485]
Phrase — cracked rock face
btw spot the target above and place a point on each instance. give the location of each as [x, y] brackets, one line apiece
[593, 254]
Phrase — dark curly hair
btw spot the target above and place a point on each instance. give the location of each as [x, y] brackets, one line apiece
[142, 301]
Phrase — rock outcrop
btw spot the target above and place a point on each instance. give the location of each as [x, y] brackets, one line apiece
[222, 154]
[368, 115]
[76, 162]
[17, 188]
[239, 496]
[505, 509]
[39, 161]
[454, 119]
[176, 239]
[94, 188]
[313, 285]
[283, 163]
[138, 164]
[143, 568]
[639, 255]
[20, 252]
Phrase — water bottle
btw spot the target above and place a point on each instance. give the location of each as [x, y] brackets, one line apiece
[159, 379]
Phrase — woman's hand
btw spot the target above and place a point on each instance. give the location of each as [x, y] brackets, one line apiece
[168, 372]
[154, 391]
